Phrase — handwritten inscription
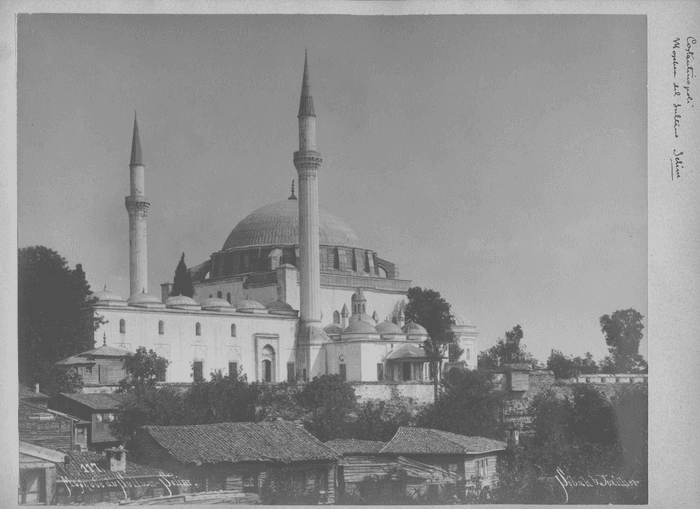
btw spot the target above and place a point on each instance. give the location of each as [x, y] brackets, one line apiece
[683, 100]
[119, 482]
[591, 481]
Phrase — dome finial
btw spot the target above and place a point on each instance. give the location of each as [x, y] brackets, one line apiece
[105, 288]
[104, 339]
[293, 196]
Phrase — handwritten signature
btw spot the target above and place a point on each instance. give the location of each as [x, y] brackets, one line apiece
[592, 481]
[679, 107]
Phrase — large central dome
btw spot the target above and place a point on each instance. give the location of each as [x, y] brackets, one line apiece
[277, 224]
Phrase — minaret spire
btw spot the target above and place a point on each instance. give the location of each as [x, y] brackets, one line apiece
[292, 196]
[136, 145]
[137, 207]
[306, 103]
[307, 161]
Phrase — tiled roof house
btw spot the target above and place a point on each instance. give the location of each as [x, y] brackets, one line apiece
[97, 409]
[239, 456]
[467, 456]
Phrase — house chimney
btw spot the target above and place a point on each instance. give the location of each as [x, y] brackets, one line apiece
[36, 387]
[116, 459]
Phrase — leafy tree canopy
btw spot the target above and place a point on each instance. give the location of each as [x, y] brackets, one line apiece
[182, 284]
[54, 319]
[623, 333]
[470, 405]
[221, 399]
[565, 366]
[144, 368]
[507, 350]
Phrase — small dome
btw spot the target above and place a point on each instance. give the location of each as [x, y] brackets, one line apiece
[414, 328]
[362, 317]
[107, 296]
[248, 304]
[214, 302]
[333, 329]
[278, 305]
[360, 327]
[144, 298]
[180, 301]
[460, 320]
[389, 328]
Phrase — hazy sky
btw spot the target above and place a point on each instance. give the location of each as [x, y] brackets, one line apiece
[500, 160]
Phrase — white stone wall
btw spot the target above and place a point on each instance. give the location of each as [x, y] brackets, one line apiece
[419, 393]
[215, 347]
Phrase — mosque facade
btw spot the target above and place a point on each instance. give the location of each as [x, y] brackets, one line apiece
[292, 294]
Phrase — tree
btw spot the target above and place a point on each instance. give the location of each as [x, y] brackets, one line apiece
[427, 308]
[182, 284]
[470, 405]
[153, 405]
[54, 318]
[623, 333]
[330, 402]
[507, 350]
[58, 379]
[565, 367]
[378, 420]
[143, 368]
[221, 399]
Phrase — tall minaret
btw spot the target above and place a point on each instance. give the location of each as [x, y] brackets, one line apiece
[307, 162]
[137, 207]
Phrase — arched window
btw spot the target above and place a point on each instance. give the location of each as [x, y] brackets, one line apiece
[122, 326]
[219, 294]
[233, 330]
[336, 317]
[268, 364]
[198, 329]
[228, 297]
[469, 354]
[210, 296]
[161, 327]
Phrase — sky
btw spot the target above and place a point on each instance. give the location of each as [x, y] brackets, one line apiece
[500, 160]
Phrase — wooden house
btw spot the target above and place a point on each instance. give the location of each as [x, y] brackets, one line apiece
[100, 367]
[97, 410]
[95, 478]
[48, 428]
[239, 457]
[360, 459]
[37, 473]
[468, 457]
[357, 460]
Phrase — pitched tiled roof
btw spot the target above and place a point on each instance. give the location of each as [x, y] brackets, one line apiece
[278, 441]
[98, 401]
[73, 472]
[432, 441]
[353, 446]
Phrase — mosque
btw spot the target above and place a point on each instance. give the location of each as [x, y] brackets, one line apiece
[292, 294]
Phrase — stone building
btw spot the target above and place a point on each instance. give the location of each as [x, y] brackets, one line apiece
[293, 293]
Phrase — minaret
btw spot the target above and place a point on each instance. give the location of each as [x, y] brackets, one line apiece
[137, 207]
[307, 161]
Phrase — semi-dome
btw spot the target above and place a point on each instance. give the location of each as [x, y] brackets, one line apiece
[105, 297]
[414, 328]
[278, 305]
[215, 302]
[360, 327]
[248, 304]
[389, 328]
[460, 320]
[333, 329]
[277, 224]
[181, 302]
